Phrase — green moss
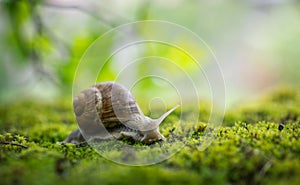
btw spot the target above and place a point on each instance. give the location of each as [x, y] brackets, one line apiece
[279, 106]
[249, 148]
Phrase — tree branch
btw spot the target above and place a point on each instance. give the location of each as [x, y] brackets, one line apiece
[10, 143]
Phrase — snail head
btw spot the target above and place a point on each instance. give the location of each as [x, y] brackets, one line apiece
[149, 128]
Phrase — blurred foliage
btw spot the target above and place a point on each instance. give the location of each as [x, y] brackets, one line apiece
[38, 53]
[33, 54]
[251, 151]
[41, 44]
[287, 45]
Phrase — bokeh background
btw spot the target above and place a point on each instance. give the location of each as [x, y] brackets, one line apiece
[257, 43]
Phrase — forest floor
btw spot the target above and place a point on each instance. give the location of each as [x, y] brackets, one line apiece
[257, 144]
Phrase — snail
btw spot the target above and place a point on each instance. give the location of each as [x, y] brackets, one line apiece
[108, 110]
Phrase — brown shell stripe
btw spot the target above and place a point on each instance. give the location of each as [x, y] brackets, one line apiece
[123, 103]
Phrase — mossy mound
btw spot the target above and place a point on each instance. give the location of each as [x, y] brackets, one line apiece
[258, 144]
[281, 106]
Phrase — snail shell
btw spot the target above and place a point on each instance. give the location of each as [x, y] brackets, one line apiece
[108, 110]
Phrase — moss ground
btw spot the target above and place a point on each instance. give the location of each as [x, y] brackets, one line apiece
[257, 144]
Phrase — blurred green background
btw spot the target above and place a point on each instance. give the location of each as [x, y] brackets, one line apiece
[257, 43]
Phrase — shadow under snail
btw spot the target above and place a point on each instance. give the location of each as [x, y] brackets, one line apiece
[108, 110]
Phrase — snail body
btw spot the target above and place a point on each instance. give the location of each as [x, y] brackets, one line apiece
[108, 110]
